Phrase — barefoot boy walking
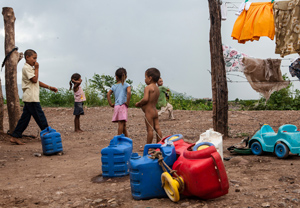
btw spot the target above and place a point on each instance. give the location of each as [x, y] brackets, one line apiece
[31, 92]
[148, 104]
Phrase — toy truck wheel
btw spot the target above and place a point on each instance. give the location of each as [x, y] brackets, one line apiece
[256, 148]
[281, 151]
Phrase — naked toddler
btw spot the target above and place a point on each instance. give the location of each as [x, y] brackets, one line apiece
[148, 104]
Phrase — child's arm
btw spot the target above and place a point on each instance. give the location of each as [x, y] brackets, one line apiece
[54, 89]
[36, 73]
[128, 96]
[76, 84]
[145, 99]
[108, 98]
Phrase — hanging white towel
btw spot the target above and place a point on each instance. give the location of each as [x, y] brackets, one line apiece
[224, 10]
[242, 7]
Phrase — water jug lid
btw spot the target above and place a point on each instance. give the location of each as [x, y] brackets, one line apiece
[135, 155]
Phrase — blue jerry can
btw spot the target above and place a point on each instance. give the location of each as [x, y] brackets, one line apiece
[145, 173]
[51, 141]
[115, 157]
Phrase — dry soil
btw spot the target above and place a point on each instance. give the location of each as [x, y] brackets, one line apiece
[65, 180]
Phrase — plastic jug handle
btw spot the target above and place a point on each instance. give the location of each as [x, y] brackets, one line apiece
[115, 140]
[148, 146]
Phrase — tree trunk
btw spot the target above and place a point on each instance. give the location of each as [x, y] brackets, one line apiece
[11, 86]
[218, 73]
[1, 109]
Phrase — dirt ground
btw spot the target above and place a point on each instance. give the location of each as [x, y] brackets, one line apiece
[66, 181]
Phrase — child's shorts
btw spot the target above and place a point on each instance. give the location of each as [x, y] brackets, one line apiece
[120, 113]
[78, 108]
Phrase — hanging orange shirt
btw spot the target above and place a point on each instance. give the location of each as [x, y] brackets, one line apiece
[258, 21]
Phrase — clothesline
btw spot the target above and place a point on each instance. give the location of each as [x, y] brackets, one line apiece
[296, 80]
[287, 59]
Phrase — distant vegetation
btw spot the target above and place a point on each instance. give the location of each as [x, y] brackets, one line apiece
[96, 88]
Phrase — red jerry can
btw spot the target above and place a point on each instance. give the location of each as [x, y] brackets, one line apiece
[203, 173]
[179, 143]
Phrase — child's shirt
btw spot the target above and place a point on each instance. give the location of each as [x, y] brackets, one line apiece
[31, 91]
[120, 92]
[162, 101]
[79, 95]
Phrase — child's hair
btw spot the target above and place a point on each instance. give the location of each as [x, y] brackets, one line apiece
[121, 74]
[154, 73]
[75, 76]
[29, 52]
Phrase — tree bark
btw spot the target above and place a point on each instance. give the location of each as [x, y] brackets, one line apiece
[218, 73]
[1, 109]
[11, 86]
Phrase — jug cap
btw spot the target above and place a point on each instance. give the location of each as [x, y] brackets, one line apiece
[135, 156]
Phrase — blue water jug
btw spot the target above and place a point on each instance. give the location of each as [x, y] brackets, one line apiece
[51, 141]
[115, 157]
[145, 173]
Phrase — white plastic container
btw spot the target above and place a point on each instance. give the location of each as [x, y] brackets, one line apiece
[213, 137]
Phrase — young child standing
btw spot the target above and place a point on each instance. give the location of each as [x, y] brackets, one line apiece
[31, 97]
[122, 93]
[79, 98]
[148, 104]
[162, 103]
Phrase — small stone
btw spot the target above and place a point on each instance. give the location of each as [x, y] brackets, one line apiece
[205, 206]
[235, 202]
[111, 200]
[113, 184]
[281, 204]
[36, 154]
[234, 182]
[237, 190]
[60, 153]
[297, 191]
[266, 204]
[185, 204]
[97, 201]
[77, 204]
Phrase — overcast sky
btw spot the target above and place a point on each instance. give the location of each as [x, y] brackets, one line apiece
[98, 36]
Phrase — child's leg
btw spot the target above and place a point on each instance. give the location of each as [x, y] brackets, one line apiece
[21, 126]
[76, 123]
[120, 127]
[38, 115]
[162, 110]
[149, 127]
[79, 124]
[125, 129]
[157, 129]
[170, 109]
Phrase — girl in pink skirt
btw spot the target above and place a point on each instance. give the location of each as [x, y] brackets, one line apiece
[122, 93]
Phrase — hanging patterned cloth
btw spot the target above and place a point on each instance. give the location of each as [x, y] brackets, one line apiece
[258, 21]
[287, 27]
[233, 59]
[264, 75]
[294, 68]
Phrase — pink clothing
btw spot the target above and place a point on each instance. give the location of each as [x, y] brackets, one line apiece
[79, 96]
[120, 113]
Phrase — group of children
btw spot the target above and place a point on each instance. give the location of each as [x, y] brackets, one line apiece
[154, 96]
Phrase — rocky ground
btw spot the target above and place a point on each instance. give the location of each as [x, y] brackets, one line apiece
[68, 180]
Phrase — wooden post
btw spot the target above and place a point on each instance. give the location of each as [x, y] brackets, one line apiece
[11, 87]
[218, 73]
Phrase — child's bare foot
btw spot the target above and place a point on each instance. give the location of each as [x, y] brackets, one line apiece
[78, 130]
[16, 141]
[81, 130]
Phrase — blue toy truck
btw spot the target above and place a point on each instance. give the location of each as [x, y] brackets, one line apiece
[266, 140]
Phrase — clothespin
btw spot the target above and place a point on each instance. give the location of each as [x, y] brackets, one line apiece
[247, 0]
[272, 1]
